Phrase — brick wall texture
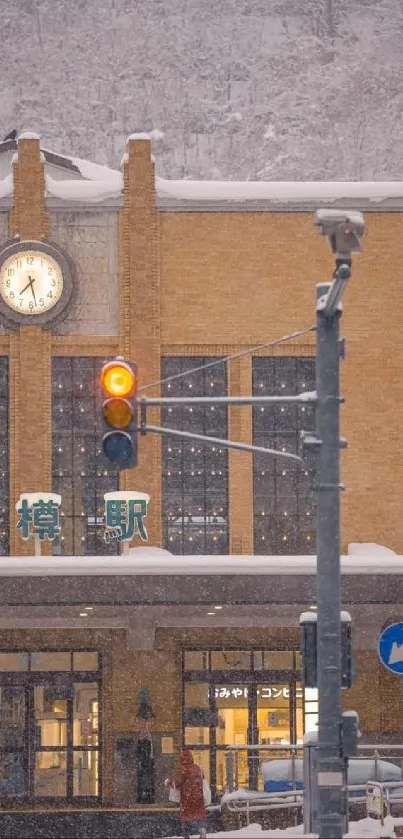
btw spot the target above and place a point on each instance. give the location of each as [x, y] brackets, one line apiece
[213, 283]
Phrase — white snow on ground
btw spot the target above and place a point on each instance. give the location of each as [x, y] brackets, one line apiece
[363, 829]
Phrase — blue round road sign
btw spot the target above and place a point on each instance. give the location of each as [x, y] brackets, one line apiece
[390, 648]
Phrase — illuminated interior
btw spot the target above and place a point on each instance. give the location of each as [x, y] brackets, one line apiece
[254, 712]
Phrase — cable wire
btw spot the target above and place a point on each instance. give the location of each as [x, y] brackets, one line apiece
[240, 354]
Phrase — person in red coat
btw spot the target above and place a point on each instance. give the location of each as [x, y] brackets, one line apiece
[190, 783]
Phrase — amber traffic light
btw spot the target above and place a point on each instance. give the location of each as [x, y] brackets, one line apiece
[119, 412]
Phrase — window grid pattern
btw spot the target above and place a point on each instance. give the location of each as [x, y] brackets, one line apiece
[4, 452]
[195, 475]
[50, 725]
[80, 472]
[284, 508]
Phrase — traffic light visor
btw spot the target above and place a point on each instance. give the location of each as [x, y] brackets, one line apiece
[118, 413]
[118, 379]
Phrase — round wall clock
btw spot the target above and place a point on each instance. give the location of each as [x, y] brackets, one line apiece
[36, 282]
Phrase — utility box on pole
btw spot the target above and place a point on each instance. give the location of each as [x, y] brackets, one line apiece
[309, 650]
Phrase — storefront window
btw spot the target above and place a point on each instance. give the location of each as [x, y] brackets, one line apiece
[85, 773]
[49, 725]
[247, 698]
[51, 661]
[195, 475]
[274, 660]
[273, 714]
[195, 660]
[50, 779]
[85, 661]
[231, 660]
[13, 662]
[284, 511]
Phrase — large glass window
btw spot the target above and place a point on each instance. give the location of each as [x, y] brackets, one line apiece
[284, 512]
[234, 698]
[80, 472]
[4, 454]
[49, 725]
[195, 475]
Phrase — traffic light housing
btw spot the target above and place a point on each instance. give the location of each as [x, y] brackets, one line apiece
[309, 650]
[118, 381]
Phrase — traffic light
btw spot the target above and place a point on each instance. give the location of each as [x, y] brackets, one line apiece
[119, 411]
[309, 650]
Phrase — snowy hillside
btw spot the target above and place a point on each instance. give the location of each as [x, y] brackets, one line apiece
[239, 89]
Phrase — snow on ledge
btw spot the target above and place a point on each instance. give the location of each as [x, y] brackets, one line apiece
[281, 191]
[368, 549]
[29, 135]
[153, 562]
[140, 136]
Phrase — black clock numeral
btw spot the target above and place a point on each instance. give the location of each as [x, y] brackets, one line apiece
[50, 271]
[50, 293]
[12, 295]
[30, 260]
[41, 301]
[53, 283]
[8, 283]
[31, 304]
[18, 263]
[10, 272]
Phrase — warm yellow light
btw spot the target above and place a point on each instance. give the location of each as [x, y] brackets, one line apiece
[117, 413]
[118, 379]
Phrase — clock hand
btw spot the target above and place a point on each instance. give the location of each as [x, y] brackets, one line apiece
[33, 293]
[29, 285]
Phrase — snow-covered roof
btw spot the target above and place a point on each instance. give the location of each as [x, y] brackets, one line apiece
[278, 195]
[77, 180]
[87, 182]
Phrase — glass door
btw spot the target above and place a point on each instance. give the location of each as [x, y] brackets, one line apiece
[52, 733]
[13, 742]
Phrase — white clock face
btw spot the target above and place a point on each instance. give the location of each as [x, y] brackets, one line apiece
[31, 282]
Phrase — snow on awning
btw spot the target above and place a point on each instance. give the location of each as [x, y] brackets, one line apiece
[155, 562]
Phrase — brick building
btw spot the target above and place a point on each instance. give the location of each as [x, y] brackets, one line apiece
[176, 276]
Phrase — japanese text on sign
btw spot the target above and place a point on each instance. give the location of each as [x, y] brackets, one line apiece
[265, 692]
[124, 518]
[40, 518]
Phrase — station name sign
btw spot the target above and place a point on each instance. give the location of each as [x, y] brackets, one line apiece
[125, 513]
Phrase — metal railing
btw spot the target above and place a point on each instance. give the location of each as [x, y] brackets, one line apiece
[265, 802]
[378, 797]
[376, 752]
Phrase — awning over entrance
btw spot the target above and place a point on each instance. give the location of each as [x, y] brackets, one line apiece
[148, 576]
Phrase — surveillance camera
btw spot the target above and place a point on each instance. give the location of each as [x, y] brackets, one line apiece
[343, 229]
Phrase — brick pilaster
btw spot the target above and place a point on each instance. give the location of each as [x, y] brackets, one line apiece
[30, 423]
[29, 218]
[240, 464]
[30, 354]
[140, 310]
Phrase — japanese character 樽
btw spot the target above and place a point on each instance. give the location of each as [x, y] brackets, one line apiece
[45, 519]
